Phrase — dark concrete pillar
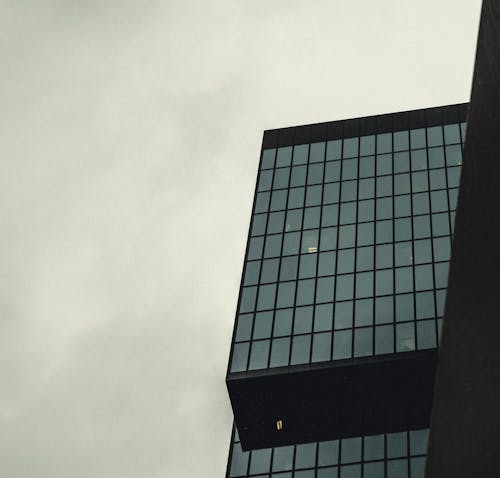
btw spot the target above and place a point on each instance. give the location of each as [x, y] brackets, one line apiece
[465, 424]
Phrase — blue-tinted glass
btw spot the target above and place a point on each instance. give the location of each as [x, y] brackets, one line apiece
[275, 222]
[404, 307]
[303, 320]
[240, 357]
[363, 342]
[307, 266]
[343, 315]
[244, 328]
[417, 138]
[440, 301]
[384, 208]
[383, 254]
[453, 195]
[384, 312]
[252, 273]
[423, 277]
[418, 160]
[425, 305]
[366, 234]
[384, 186]
[405, 337]
[420, 203]
[384, 282]
[350, 168]
[401, 162]
[350, 450]
[421, 227]
[332, 171]
[268, 158]
[260, 461]
[402, 229]
[269, 270]
[350, 147]
[286, 294]
[281, 178]
[374, 470]
[262, 202]
[330, 215]
[436, 157]
[305, 292]
[437, 178]
[331, 193]
[288, 269]
[291, 243]
[364, 312]
[366, 188]
[323, 317]
[366, 145]
[324, 289]
[322, 344]
[273, 245]
[302, 474]
[315, 173]
[328, 453]
[397, 469]
[366, 210]
[384, 231]
[342, 344]
[334, 150]
[298, 177]
[364, 259]
[345, 261]
[239, 461]
[311, 217]
[280, 352]
[426, 334]
[451, 133]
[309, 241]
[300, 153]
[259, 355]
[259, 224]
[422, 251]
[453, 155]
[263, 324]
[265, 180]
[419, 181]
[367, 167]
[364, 284]
[346, 235]
[418, 442]
[401, 142]
[345, 287]
[248, 297]
[317, 152]
[403, 253]
[278, 200]
[284, 157]
[374, 447]
[328, 238]
[301, 347]
[350, 471]
[402, 183]
[417, 466]
[384, 339]
[384, 164]
[293, 220]
[283, 458]
[384, 143]
[295, 198]
[326, 265]
[402, 206]
[404, 279]
[441, 249]
[283, 322]
[266, 297]
[435, 136]
[454, 177]
[348, 191]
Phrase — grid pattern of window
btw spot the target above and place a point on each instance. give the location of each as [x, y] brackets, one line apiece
[391, 455]
[349, 248]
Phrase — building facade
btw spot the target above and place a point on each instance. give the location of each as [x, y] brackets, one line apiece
[334, 349]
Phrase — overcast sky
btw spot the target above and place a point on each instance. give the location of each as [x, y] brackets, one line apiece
[129, 137]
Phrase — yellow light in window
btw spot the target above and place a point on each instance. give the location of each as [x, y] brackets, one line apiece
[279, 424]
[312, 249]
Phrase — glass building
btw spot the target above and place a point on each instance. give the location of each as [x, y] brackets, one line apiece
[342, 295]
